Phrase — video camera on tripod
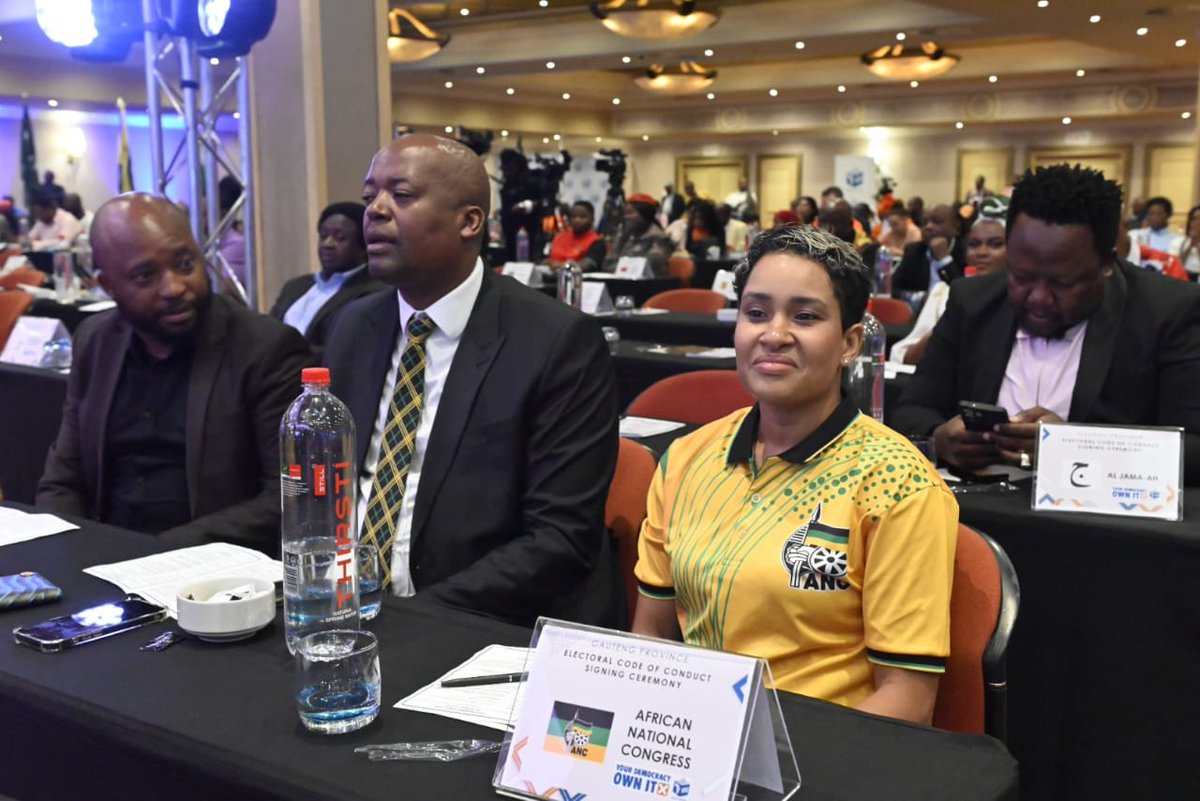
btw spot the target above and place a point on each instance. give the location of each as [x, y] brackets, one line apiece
[545, 176]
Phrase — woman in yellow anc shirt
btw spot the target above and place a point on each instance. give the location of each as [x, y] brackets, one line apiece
[800, 530]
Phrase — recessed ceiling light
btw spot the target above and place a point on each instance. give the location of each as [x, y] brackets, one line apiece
[773, 92]
[1043, 3]
[1142, 31]
[545, 140]
[774, 132]
[216, 62]
[543, 3]
[599, 139]
[52, 103]
[510, 91]
[1187, 115]
[959, 125]
[1080, 73]
[625, 59]
[1094, 19]
[616, 101]
[465, 12]
[992, 79]
[449, 84]
[566, 95]
[841, 88]
[1066, 120]
[914, 84]
[558, 137]
[1181, 42]
[708, 53]
[900, 37]
[237, 115]
[712, 95]
[480, 70]
[449, 129]
[504, 134]
[799, 45]
[645, 137]
[549, 65]
[1, 38]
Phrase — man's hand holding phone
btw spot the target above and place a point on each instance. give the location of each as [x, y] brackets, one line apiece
[1019, 435]
[963, 448]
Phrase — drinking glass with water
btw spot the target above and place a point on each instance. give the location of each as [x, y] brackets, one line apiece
[338, 683]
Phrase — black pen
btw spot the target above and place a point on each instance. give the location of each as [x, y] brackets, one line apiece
[479, 681]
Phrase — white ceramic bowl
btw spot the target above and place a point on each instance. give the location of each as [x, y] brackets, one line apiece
[221, 620]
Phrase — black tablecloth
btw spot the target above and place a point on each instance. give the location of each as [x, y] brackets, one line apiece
[672, 328]
[203, 721]
[70, 313]
[1104, 665]
[640, 289]
[638, 366]
[31, 403]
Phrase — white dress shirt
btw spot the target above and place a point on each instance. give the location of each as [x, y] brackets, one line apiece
[62, 232]
[1042, 372]
[450, 314]
[931, 312]
[301, 313]
[1163, 239]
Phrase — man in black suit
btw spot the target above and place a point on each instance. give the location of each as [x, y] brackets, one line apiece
[311, 303]
[486, 411]
[171, 422]
[941, 254]
[1069, 333]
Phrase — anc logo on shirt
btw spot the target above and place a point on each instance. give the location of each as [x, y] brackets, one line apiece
[815, 556]
[578, 731]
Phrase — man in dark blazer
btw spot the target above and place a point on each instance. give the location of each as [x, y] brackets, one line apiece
[1067, 307]
[311, 303]
[942, 252]
[171, 421]
[503, 505]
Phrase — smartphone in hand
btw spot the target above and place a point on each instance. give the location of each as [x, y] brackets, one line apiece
[981, 417]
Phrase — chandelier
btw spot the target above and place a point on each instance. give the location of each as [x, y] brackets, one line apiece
[685, 79]
[895, 62]
[409, 39]
[654, 19]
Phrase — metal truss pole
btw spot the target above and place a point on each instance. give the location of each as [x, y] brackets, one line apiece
[153, 105]
[249, 187]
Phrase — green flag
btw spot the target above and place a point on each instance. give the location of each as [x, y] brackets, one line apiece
[28, 160]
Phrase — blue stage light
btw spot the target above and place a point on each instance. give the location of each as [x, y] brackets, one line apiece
[220, 27]
[94, 30]
[67, 22]
[212, 15]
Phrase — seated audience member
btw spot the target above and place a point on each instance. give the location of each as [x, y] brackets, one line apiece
[1147, 257]
[311, 303]
[706, 235]
[171, 422]
[579, 243]
[784, 217]
[1068, 333]
[640, 236]
[1155, 233]
[899, 232]
[1189, 251]
[940, 255]
[986, 253]
[805, 209]
[830, 196]
[871, 633]
[486, 411]
[73, 204]
[737, 233]
[54, 228]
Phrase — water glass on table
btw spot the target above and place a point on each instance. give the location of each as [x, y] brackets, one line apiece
[612, 336]
[624, 305]
[338, 683]
[370, 582]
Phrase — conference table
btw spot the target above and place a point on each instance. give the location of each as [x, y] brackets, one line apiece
[639, 290]
[213, 721]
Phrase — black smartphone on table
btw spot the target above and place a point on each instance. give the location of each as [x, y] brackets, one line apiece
[89, 624]
[981, 417]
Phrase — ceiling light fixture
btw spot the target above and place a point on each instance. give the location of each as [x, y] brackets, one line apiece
[480, 70]
[214, 62]
[712, 95]
[645, 137]
[625, 59]
[449, 129]
[52, 103]
[708, 53]
[1094, 19]
[900, 37]
[616, 101]
[959, 125]
[464, 12]
[449, 84]
[654, 19]
[897, 62]
[992, 79]
[504, 134]
[1187, 115]
[774, 132]
[686, 78]
[773, 92]
[543, 3]
[1080, 73]
[566, 95]
[549, 65]
[1142, 31]
[799, 45]
[1181, 42]
[914, 84]
[510, 91]
[841, 88]
[1066, 120]
[409, 39]
[1043, 3]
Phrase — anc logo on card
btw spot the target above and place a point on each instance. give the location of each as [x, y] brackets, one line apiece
[578, 731]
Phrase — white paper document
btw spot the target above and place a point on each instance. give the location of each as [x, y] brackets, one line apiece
[714, 353]
[638, 427]
[17, 526]
[159, 578]
[99, 306]
[486, 705]
[891, 369]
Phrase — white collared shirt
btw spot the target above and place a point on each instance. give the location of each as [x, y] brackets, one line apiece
[1042, 372]
[450, 314]
[301, 313]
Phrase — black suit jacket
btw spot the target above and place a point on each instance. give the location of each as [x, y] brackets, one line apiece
[912, 274]
[1140, 363]
[509, 513]
[245, 372]
[321, 326]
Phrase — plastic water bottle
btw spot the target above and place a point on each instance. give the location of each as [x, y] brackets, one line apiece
[318, 489]
[866, 378]
[570, 284]
[522, 245]
[883, 272]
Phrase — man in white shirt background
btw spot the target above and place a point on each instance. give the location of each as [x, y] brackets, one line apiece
[54, 228]
[1155, 233]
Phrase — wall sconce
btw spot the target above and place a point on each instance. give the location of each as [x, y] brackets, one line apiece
[75, 145]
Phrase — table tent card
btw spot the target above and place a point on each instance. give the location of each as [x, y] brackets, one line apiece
[1113, 470]
[607, 715]
[633, 267]
[523, 271]
[28, 339]
[595, 298]
[723, 283]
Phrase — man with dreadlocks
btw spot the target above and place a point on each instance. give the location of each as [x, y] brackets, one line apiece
[1070, 332]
